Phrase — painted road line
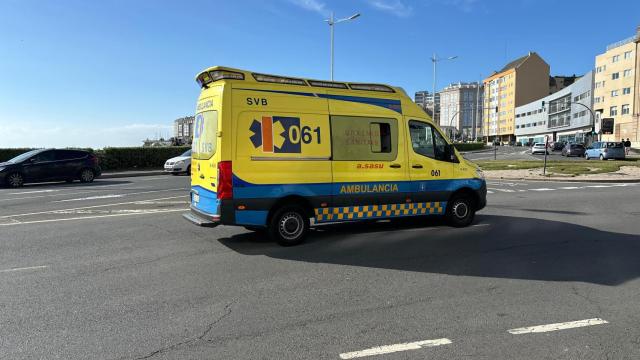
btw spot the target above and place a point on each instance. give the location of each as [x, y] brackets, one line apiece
[90, 207]
[557, 326]
[109, 196]
[32, 192]
[157, 211]
[388, 349]
[489, 192]
[503, 190]
[25, 268]
[571, 187]
[542, 189]
[598, 186]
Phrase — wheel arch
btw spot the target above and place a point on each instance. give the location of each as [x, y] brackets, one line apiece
[466, 191]
[291, 200]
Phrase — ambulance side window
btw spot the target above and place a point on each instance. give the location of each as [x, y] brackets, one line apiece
[427, 141]
[357, 138]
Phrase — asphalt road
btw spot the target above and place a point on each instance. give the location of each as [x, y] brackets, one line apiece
[515, 153]
[110, 270]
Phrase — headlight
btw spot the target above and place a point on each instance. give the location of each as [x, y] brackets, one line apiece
[479, 174]
[179, 162]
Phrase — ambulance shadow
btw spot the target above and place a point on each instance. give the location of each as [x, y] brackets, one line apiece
[497, 246]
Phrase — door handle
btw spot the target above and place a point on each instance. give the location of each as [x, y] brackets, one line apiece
[201, 176]
[417, 166]
[395, 166]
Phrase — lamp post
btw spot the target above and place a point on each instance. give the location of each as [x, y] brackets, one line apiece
[593, 116]
[451, 123]
[435, 59]
[332, 22]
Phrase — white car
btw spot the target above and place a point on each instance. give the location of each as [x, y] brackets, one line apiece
[539, 148]
[179, 164]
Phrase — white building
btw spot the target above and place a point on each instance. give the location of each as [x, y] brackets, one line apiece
[563, 116]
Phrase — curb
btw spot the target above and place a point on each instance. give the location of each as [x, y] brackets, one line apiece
[132, 174]
[556, 179]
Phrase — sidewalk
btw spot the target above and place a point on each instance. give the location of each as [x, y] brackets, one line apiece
[131, 173]
[626, 174]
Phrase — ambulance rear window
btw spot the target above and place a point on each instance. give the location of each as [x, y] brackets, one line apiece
[205, 135]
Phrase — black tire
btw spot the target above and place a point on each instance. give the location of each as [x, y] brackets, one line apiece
[586, 156]
[15, 180]
[601, 157]
[174, 174]
[87, 175]
[289, 225]
[188, 172]
[461, 210]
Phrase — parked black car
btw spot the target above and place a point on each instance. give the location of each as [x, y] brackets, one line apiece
[573, 150]
[558, 145]
[50, 165]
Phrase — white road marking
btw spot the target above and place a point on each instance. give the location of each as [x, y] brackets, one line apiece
[489, 192]
[78, 193]
[25, 268]
[108, 196]
[97, 197]
[91, 207]
[32, 192]
[388, 349]
[542, 189]
[156, 211]
[503, 190]
[557, 326]
[598, 186]
[571, 187]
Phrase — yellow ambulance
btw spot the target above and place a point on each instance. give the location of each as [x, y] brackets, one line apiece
[278, 154]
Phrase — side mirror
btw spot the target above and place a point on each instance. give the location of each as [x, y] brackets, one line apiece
[451, 153]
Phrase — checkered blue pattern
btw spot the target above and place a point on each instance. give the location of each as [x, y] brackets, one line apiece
[379, 211]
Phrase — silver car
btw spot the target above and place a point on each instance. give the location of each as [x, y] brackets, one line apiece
[605, 150]
[539, 148]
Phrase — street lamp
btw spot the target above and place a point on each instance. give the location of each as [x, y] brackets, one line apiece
[331, 21]
[434, 60]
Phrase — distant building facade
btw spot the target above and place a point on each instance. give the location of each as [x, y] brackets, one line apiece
[616, 94]
[183, 130]
[557, 83]
[559, 116]
[461, 108]
[425, 100]
[519, 82]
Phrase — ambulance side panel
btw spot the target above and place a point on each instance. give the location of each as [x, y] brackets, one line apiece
[282, 150]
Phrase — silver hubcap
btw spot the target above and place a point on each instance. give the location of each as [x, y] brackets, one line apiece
[15, 180]
[460, 210]
[87, 175]
[291, 226]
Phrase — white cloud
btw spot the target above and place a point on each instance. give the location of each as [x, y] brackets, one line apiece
[40, 135]
[312, 5]
[395, 7]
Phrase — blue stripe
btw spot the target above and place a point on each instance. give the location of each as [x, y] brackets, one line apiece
[251, 217]
[243, 189]
[391, 104]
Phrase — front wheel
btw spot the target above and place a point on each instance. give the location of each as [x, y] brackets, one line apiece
[460, 211]
[15, 180]
[586, 156]
[289, 225]
[87, 176]
[601, 157]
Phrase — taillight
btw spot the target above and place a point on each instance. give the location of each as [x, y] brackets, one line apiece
[93, 159]
[225, 180]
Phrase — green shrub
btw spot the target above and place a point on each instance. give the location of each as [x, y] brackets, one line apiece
[120, 158]
[468, 146]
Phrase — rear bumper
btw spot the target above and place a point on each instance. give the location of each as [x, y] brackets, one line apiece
[201, 219]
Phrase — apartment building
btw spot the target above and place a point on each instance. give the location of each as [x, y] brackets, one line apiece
[425, 100]
[461, 109]
[183, 129]
[519, 82]
[563, 116]
[616, 91]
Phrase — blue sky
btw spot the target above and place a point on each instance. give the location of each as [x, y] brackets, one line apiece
[113, 72]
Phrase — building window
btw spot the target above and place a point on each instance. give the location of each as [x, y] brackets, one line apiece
[614, 93]
[626, 91]
[615, 58]
[613, 111]
[627, 54]
[615, 76]
[625, 109]
[627, 73]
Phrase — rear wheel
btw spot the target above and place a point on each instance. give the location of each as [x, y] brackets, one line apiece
[289, 225]
[460, 211]
[601, 157]
[586, 156]
[87, 175]
[15, 180]
[188, 172]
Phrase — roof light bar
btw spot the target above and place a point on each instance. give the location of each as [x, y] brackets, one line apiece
[371, 87]
[328, 84]
[225, 74]
[278, 79]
